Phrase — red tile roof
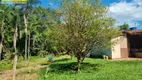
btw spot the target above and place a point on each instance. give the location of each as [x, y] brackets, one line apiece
[133, 32]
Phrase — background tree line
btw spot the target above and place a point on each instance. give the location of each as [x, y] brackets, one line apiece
[24, 30]
[31, 24]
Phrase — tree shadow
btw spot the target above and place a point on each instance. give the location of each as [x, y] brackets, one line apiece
[72, 68]
[59, 60]
[42, 64]
[61, 67]
[64, 59]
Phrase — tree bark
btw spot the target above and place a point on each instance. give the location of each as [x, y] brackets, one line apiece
[29, 45]
[1, 40]
[83, 58]
[71, 56]
[25, 22]
[14, 65]
[15, 53]
[79, 64]
[1, 46]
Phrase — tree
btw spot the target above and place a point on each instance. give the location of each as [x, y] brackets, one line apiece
[124, 27]
[40, 24]
[15, 23]
[85, 25]
[27, 10]
[4, 17]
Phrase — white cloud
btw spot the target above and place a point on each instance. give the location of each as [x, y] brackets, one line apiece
[127, 12]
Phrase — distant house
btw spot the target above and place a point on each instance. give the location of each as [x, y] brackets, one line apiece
[129, 44]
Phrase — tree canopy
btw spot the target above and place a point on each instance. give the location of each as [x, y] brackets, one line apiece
[124, 27]
[84, 26]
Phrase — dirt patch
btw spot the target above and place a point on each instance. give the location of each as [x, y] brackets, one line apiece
[27, 76]
[7, 75]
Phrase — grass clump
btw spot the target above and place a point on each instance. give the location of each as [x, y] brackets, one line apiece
[4, 65]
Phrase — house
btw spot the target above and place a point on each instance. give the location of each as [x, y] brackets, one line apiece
[129, 44]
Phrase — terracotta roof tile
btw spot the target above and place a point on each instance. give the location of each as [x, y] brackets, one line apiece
[133, 32]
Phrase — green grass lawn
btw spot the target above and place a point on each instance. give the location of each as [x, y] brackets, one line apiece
[63, 68]
[92, 69]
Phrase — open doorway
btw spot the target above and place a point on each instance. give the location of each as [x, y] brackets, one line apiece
[135, 44]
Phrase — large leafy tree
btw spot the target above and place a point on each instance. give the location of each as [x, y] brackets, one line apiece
[84, 25]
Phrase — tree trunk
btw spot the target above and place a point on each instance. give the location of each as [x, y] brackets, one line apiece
[1, 46]
[79, 64]
[14, 66]
[83, 59]
[15, 53]
[29, 45]
[1, 40]
[71, 54]
[34, 41]
[25, 22]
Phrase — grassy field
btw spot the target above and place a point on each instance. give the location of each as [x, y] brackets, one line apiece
[33, 61]
[92, 69]
[63, 68]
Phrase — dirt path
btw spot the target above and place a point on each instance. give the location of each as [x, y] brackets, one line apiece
[7, 75]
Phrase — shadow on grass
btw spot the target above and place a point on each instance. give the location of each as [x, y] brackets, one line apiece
[42, 64]
[60, 67]
[65, 59]
[72, 68]
[59, 60]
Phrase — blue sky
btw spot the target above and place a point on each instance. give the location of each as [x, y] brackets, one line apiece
[124, 11]
[53, 3]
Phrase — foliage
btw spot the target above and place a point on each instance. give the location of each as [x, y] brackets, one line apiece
[40, 20]
[124, 27]
[84, 26]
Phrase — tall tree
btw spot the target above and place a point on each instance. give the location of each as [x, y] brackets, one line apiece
[26, 26]
[15, 22]
[27, 11]
[85, 25]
